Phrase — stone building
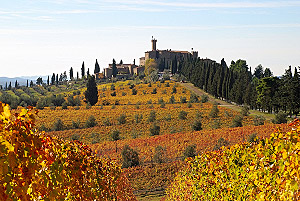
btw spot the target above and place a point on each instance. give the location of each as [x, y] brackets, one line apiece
[123, 69]
[166, 56]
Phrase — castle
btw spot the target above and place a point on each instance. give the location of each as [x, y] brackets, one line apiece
[166, 57]
[163, 58]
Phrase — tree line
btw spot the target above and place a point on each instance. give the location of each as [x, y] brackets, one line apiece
[259, 90]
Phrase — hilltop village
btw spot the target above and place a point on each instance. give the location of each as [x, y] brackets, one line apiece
[163, 58]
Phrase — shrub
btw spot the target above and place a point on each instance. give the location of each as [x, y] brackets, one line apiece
[197, 125]
[214, 111]
[245, 111]
[107, 122]
[280, 118]
[162, 105]
[189, 151]
[194, 98]
[152, 116]
[227, 114]
[131, 86]
[164, 91]
[58, 125]
[122, 119]
[149, 102]
[134, 91]
[134, 134]
[189, 105]
[159, 154]
[113, 107]
[172, 100]
[154, 130]
[90, 122]
[174, 90]
[237, 121]
[198, 115]
[115, 135]
[160, 101]
[113, 93]
[182, 115]
[154, 91]
[204, 98]
[124, 93]
[221, 142]
[183, 99]
[258, 120]
[75, 124]
[130, 157]
[112, 87]
[167, 84]
[138, 118]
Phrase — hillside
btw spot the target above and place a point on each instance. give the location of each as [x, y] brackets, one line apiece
[163, 122]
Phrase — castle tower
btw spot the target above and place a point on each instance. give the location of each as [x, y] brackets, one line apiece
[153, 44]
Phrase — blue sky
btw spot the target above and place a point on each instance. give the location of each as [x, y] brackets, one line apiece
[39, 37]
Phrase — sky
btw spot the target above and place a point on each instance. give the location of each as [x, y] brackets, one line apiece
[41, 37]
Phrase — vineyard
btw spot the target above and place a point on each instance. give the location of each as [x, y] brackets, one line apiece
[37, 167]
[266, 169]
[159, 121]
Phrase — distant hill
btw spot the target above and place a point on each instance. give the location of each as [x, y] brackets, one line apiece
[21, 80]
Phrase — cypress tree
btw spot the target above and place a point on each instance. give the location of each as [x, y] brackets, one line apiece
[71, 73]
[114, 69]
[82, 70]
[9, 86]
[16, 84]
[57, 79]
[88, 72]
[77, 75]
[97, 67]
[91, 93]
[53, 79]
[48, 80]
[27, 83]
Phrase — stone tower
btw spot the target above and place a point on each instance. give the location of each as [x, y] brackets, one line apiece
[153, 44]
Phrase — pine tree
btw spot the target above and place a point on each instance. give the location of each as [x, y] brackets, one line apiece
[97, 67]
[91, 93]
[114, 69]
